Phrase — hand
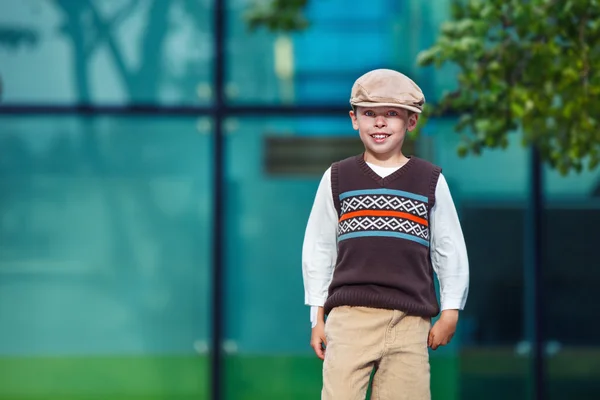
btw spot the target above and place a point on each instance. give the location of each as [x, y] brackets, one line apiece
[443, 330]
[318, 340]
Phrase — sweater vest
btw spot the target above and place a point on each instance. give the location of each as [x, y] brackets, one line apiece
[383, 258]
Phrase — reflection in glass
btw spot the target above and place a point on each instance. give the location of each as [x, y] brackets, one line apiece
[104, 257]
[114, 52]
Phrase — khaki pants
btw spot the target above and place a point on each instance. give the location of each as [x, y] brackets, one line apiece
[359, 339]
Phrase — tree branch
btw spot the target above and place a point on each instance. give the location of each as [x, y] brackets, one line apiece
[104, 30]
[118, 18]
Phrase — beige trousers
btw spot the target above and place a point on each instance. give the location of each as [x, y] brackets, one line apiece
[359, 339]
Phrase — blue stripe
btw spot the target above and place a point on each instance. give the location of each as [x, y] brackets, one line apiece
[384, 192]
[383, 234]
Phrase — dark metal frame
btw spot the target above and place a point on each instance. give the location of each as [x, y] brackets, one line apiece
[221, 110]
[218, 286]
[534, 294]
[217, 111]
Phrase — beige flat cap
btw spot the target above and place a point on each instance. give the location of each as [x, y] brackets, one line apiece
[386, 87]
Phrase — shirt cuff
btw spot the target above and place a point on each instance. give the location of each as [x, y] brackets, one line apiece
[453, 304]
[313, 316]
[314, 301]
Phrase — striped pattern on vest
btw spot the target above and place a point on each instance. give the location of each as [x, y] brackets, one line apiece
[384, 213]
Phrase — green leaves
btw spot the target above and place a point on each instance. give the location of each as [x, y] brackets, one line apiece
[277, 15]
[532, 66]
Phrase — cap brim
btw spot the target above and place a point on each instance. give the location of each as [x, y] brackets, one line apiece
[371, 104]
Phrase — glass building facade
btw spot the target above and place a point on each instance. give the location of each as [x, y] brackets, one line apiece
[115, 131]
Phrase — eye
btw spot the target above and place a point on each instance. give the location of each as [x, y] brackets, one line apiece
[393, 113]
[369, 113]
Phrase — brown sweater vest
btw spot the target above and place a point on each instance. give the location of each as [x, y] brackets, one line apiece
[383, 237]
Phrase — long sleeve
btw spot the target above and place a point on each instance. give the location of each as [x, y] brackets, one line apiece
[319, 250]
[448, 250]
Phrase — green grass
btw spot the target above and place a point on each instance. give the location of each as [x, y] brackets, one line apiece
[477, 374]
[164, 377]
[106, 378]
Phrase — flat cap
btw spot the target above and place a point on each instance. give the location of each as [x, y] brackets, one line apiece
[386, 87]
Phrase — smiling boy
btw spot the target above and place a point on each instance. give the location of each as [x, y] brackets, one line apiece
[381, 224]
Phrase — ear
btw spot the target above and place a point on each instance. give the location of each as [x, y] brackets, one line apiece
[354, 120]
[412, 122]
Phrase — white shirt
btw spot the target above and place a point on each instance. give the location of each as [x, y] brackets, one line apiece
[447, 249]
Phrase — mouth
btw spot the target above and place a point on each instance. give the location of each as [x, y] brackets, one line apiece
[380, 137]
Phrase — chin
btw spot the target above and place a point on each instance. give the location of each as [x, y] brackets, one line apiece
[382, 150]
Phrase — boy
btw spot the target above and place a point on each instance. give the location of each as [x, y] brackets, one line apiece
[380, 225]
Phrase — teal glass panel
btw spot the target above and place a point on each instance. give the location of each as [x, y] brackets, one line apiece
[105, 248]
[570, 276]
[99, 52]
[318, 65]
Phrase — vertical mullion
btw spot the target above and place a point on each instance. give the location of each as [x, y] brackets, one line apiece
[534, 318]
[218, 265]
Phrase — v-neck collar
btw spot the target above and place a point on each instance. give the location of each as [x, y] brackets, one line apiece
[388, 179]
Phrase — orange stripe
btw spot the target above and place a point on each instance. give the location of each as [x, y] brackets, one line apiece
[383, 213]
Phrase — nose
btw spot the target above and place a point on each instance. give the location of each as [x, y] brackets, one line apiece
[380, 121]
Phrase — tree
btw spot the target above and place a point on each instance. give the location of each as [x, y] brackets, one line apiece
[530, 66]
[278, 15]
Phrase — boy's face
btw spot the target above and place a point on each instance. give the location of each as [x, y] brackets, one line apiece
[382, 129]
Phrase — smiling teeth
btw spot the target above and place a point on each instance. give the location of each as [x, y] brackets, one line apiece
[380, 136]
